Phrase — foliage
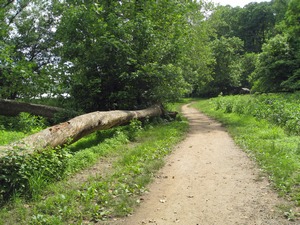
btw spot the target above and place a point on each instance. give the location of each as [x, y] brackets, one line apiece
[238, 36]
[274, 65]
[256, 24]
[276, 152]
[18, 170]
[15, 128]
[253, 24]
[26, 56]
[196, 56]
[131, 55]
[224, 21]
[133, 129]
[99, 197]
[30, 123]
[24, 122]
[23, 173]
[278, 66]
[127, 55]
[280, 7]
[7, 136]
[293, 31]
[248, 65]
[268, 29]
[279, 109]
[64, 115]
[226, 71]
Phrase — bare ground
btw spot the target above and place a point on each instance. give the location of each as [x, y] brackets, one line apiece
[208, 180]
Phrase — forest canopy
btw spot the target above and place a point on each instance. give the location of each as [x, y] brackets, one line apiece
[112, 54]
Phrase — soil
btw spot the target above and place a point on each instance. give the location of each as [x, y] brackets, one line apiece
[208, 180]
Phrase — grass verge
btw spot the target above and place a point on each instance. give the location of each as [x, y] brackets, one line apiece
[99, 197]
[276, 151]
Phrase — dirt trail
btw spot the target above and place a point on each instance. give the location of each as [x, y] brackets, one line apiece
[208, 180]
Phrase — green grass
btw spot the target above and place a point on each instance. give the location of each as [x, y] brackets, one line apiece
[177, 105]
[280, 109]
[275, 150]
[7, 137]
[111, 194]
[15, 128]
[136, 152]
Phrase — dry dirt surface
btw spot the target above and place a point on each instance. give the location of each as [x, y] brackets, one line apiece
[208, 180]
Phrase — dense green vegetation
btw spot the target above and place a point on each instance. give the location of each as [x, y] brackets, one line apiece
[267, 127]
[104, 54]
[14, 128]
[111, 54]
[131, 54]
[279, 109]
[260, 48]
[96, 197]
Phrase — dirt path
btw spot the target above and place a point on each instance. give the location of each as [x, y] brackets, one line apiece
[208, 180]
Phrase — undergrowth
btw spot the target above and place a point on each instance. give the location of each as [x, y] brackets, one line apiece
[279, 109]
[260, 125]
[15, 128]
[136, 152]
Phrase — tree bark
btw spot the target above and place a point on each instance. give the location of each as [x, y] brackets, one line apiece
[13, 108]
[78, 127]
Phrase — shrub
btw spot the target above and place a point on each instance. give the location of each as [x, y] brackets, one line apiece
[280, 109]
[20, 173]
[24, 122]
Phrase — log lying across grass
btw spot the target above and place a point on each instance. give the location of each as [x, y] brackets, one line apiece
[14, 108]
[78, 127]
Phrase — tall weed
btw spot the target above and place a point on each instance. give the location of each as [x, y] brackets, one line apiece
[18, 170]
[15, 128]
[279, 109]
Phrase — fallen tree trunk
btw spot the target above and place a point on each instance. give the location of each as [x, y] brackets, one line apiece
[78, 127]
[14, 108]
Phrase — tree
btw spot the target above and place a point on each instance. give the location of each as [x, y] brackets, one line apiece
[274, 65]
[253, 24]
[225, 21]
[293, 31]
[27, 57]
[129, 54]
[248, 65]
[14, 108]
[196, 56]
[280, 7]
[78, 127]
[257, 22]
[278, 67]
[227, 71]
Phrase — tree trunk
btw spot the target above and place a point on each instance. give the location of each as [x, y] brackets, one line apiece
[13, 108]
[78, 127]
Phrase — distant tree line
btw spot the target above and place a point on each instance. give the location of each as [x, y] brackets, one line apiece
[114, 54]
[256, 47]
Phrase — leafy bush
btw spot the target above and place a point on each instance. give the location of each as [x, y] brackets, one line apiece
[24, 122]
[21, 173]
[133, 129]
[7, 136]
[30, 123]
[280, 109]
[15, 128]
